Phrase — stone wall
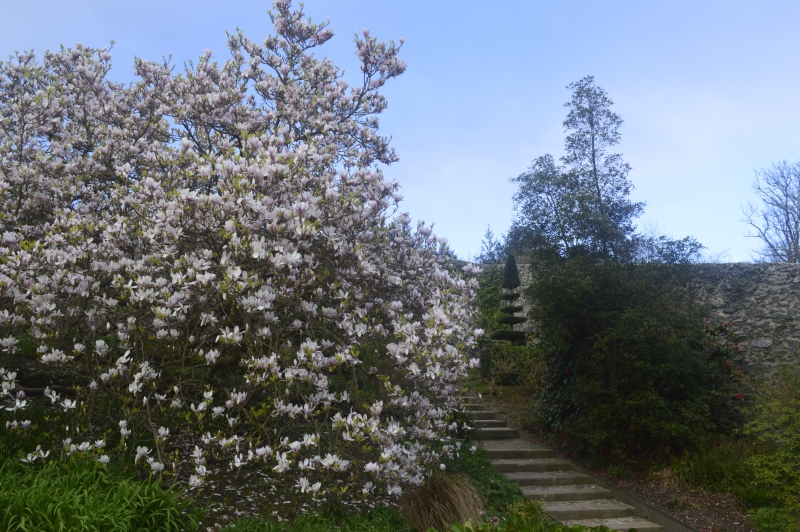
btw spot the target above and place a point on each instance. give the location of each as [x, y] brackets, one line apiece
[762, 302]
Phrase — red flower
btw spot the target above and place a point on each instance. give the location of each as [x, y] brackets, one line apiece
[740, 397]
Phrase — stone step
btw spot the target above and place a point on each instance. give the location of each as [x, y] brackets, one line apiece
[516, 465]
[548, 478]
[490, 423]
[500, 433]
[485, 414]
[595, 509]
[498, 454]
[573, 492]
[618, 523]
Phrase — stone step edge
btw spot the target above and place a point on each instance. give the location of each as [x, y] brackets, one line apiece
[619, 524]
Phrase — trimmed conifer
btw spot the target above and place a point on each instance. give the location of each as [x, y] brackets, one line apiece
[511, 274]
[515, 337]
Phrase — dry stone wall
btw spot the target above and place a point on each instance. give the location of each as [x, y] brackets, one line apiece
[762, 302]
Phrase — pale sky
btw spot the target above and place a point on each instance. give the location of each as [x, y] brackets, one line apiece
[708, 91]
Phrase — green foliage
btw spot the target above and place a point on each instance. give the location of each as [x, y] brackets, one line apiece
[510, 364]
[85, 495]
[491, 249]
[581, 207]
[515, 337]
[775, 427]
[631, 370]
[377, 520]
[489, 295]
[512, 320]
[723, 467]
[511, 274]
[772, 520]
[496, 490]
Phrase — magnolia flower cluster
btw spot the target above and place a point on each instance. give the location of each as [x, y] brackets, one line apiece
[210, 267]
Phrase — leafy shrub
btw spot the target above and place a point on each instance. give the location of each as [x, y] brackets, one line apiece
[508, 364]
[630, 367]
[775, 427]
[85, 495]
[771, 520]
[723, 467]
[213, 256]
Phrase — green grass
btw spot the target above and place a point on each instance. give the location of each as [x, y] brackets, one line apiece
[83, 495]
[498, 493]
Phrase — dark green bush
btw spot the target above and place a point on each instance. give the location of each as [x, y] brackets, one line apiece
[631, 368]
[512, 320]
[515, 337]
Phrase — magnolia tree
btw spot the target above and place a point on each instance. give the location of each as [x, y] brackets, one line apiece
[207, 269]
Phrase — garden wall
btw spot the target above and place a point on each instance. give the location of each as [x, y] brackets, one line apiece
[761, 301]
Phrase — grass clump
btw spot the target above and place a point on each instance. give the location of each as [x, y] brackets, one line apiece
[85, 495]
[444, 499]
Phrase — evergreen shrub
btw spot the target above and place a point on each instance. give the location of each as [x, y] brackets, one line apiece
[631, 367]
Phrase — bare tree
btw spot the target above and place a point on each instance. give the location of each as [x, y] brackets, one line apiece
[777, 220]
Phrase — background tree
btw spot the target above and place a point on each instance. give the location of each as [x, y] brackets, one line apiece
[582, 206]
[491, 249]
[776, 222]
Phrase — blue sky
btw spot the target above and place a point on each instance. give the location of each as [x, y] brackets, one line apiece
[708, 91]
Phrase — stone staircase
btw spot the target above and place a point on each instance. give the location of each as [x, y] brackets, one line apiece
[569, 496]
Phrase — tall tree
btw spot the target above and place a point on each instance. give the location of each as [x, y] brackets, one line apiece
[777, 220]
[582, 206]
